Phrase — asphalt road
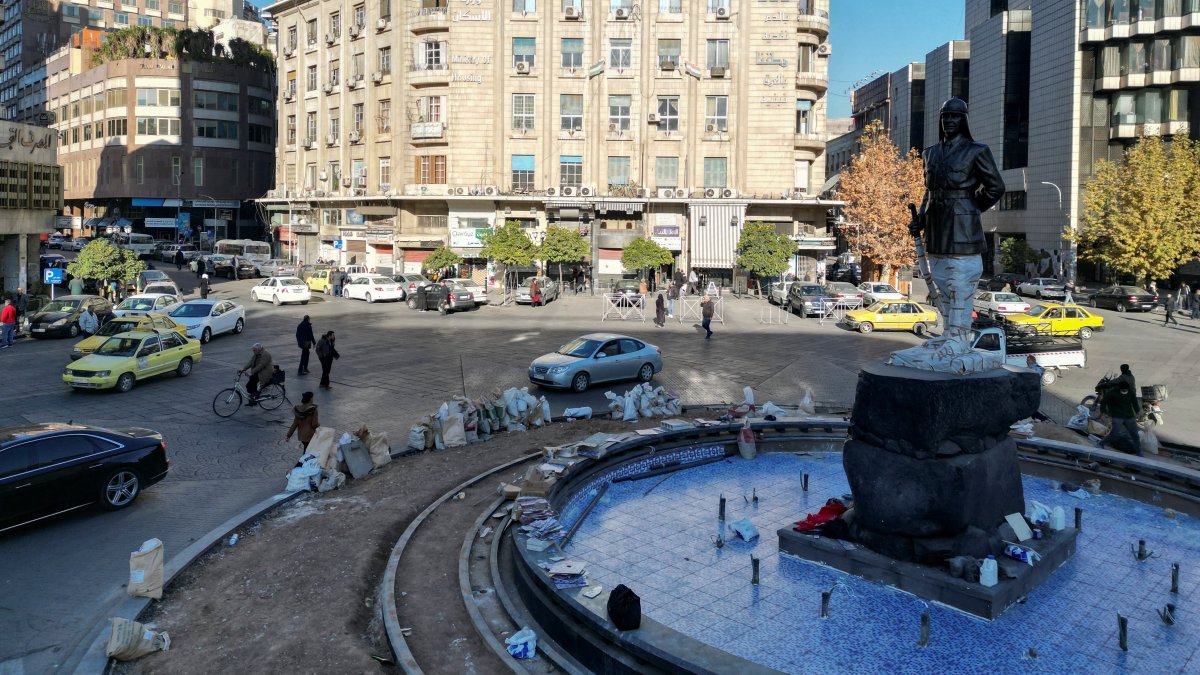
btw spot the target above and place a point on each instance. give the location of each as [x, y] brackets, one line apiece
[60, 577]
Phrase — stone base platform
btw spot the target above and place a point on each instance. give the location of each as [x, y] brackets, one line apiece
[933, 584]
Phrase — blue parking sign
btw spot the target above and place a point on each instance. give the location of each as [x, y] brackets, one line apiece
[337, 244]
[52, 276]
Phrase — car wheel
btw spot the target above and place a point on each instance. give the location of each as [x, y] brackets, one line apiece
[645, 373]
[1049, 377]
[325, 290]
[239, 326]
[1121, 307]
[119, 489]
[275, 300]
[920, 329]
[1095, 304]
[73, 331]
[412, 303]
[1085, 333]
[865, 327]
[125, 382]
[205, 336]
[369, 298]
[304, 302]
[185, 368]
[580, 383]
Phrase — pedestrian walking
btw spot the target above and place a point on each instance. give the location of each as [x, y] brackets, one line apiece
[643, 288]
[260, 367]
[304, 420]
[338, 278]
[8, 324]
[707, 310]
[75, 285]
[179, 259]
[200, 267]
[113, 293]
[1171, 305]
[305, 340]
[672, 296]
[1120, 404]
[326, 353]
[693, 279]
[89, 323]
[203, 286]
[1196, 304]
[21, 302]
[535, 293]
[1153, 288]
[660, 311]
[1185, 297]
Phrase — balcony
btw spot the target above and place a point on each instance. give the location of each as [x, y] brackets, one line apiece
[425, 131]
[814, 143]
[428, 19]
[421, 74]
[812, 81]
[817, 24]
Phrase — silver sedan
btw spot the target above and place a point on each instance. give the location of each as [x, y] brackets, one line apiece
[596, 357]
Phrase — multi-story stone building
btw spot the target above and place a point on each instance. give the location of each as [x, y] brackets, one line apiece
[30, 194]
[404, 126]
[146, 140]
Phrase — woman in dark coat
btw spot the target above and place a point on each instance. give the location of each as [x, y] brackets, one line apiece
[660, 311]
[179, 258]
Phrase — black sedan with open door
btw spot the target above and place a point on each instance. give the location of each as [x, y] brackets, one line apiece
[48, 469]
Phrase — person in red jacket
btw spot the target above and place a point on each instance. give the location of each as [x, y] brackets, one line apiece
[8, 324]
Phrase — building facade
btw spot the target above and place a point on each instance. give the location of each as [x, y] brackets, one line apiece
[157, 143]
[30, 195]
[404, 126]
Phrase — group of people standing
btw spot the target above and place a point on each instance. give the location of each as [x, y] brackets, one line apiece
[325, 347]
[1184, 299]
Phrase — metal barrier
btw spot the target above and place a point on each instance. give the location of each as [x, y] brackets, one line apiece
[620, 307]
[836, 311]
[771, 315]
[690, 308]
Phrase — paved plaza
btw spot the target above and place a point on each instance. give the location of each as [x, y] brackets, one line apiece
[396, 365]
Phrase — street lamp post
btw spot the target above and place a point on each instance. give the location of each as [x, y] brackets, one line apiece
[214, 209]
[1072, 249]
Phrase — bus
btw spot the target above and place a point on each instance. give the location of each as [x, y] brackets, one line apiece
[141, 244]
[254, 251]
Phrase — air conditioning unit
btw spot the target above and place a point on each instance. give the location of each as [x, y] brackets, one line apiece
[381, 24]
[460, 190]
[668, 65]
[384, 187]
[550, 192]
[355, 136]
[309, 142]
[571, 12]
[722, 12]
[319, 193]
[355, 29]
[323, 177]
[330, 140]
[288, 51]
[491, 190]
[345, 181]
[711, 193]
[272, 194]
[614, 127]
[288, 94]
[710, 128]
[568, 191]
[587, 192]
[680, 193]
[377, 77]
[652, 118]
[328, 88]
[622, 13]
[717, 73]
[666, 193]
[728, 193]
[824, 50]
[642, 193]
[522, 68]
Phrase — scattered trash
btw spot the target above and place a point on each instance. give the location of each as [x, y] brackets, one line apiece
[1169, 513]
[233, 539]
[1092, 485]
[460, 496]
[1037, 512]
[384, 660]
[406, 632]
[1149, 441]
[522, 644]
[746, 446]
[131, 640]
[1079, 421]
[1025, 555]
[1079, 494]
[306, 474]
[146, 570]
[592, 591]
[744, 529]
[584, 413]
[624, 608]
[1167, 615]
[643, 400]
[567, 574]
[485, 532]
[1022, 427]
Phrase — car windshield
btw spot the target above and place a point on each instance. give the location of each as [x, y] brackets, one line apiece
[153, 275]
[61, 306]
[811, 290]
[1038, 310]
[1132, 290]
[291, 282]
[117, 326]
[137, 303]
[628, 286]
[877, 307]
[191, 311]
[579, 348]
[380, 280]
[1006, 297]
[119, 347]
[883, 288]
[169, 290]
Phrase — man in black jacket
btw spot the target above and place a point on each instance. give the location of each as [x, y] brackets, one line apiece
[326, 353]
[305, 340]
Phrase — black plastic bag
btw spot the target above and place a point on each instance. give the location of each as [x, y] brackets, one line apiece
[625, 608]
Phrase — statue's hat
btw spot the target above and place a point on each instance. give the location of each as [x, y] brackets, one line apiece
[957, 106]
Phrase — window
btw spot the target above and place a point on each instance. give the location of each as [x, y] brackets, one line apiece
[158, 126]
[523, 112]
[261, 106]
[802, 171]
[666, 172]
[152, 4]
[310, 83]
[291, 129]
[99, 130]
[357, 111]
[335, 24]
[383, 120]
[220, 129]
[118, 127]
[335, 72]
[430, 108]
[121, 19]
[716, 112]
[572, 52]
[620, 53]
[570, 170]
[87, 132]
[310, 126]
[618, 171]
[356, 65]
[1013, 201]
[385, 172]
[430, 169]
[524, 50]
[385, 60]
[670, 6]
[16, 460]
[335, 124]
[618, 111]
[292, 40]
[360, 15]
[385, 9]
[522, 172]
[335, 175]
[431, 53]
[117, 98]
[139, 170]
[524, 6]
[718, 54]
[212, 100]
[714, 5]
[806, 59]
[715, 169]
[577, 4]
[310, 33]
[668, 113]
[570, 111]
[803, 116]
[668, 53]
[145, 21]
[160, 97]
[176, 170]
[198, 171]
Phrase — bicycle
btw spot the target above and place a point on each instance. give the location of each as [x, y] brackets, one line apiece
[270, 396]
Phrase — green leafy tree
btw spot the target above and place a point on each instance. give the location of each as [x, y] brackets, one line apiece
[764, 251]
[1015, 253]
[1141, 216]
[441, 259]
[563, 246]
[151, 42]
[100, 261]
[509, 246]
[642, 254]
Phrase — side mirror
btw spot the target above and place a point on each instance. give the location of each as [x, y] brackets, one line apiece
[601, 355]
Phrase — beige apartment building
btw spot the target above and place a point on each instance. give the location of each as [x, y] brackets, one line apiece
[404, 126]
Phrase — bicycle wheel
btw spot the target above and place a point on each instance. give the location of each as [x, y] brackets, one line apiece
[227, 402]
[271, 396]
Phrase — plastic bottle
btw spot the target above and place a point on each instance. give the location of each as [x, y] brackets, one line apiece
[988, 573]
[1058, 519]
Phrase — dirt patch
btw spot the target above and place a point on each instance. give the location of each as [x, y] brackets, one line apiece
[298, 592]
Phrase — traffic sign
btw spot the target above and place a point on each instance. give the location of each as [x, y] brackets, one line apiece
[52, 275]
[337, 244]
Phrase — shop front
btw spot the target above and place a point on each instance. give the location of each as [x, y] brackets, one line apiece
[714, 229]
[414, 250]
[469, 222]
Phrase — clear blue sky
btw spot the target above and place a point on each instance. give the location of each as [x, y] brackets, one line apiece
[883, 35]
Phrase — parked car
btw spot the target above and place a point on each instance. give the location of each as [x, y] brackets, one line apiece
[50, 260]
[52, 468]
[460, 297]
[1052, 318]
[596, 357]
[124, 324]
[276, 267]
[844, 292]
[60, 317]
[625, 292]
[79, 243]
[206, 318]
[147, 277]
[998, 282]
[1043, 287]
[163, 287]
[167, 252]
[372, 288]
[874, 292]
[547, 287]
[777, 292]
[411, 282]
[55, 241]
[477, 289]
[892, 315]
[126, 358]
[430, 296]
[1124, 298]
[146, 303]
[280, 290]
[996, 303]
[318, 281]
[808, 298]
[223, 267]
[356, 271]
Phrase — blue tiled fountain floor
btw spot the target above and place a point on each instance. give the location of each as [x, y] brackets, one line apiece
[660, 545]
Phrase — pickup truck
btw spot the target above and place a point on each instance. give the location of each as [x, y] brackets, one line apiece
[1052, 353]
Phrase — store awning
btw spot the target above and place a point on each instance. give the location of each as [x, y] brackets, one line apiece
[627, 207]
[569, 205]
[377, 210]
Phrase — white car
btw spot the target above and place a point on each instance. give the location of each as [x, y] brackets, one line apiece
[873, 292]
[372, 288]
[1043, 287]
[206, 318]
[78, 243]
[276, 267]
[997, 303]
[477, 289]
[778, 292]
[356, 271]
[145, 303]
[281, 290]
[167, 287]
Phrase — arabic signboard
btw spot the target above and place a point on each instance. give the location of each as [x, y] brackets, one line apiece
[215, 203]
[168, 223]
[468, 238]
[27, 143]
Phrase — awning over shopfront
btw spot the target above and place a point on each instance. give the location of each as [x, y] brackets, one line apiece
[569, 205]
[713, 230]
[626, 207]
[170, 203]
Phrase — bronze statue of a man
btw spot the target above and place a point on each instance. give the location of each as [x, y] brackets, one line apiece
[961, 182]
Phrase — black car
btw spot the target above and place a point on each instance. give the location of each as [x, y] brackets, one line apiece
[60, 317]
[430, 296]
[245, 269]
[808, 298]
[1124, 298]
[998, 282]
[48, 469]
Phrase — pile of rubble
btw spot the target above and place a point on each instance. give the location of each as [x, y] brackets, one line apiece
[461, 420]
[328, 459]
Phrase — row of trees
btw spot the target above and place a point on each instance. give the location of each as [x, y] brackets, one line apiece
[152, 42]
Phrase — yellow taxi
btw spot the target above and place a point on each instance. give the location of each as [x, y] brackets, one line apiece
[1053, 318]
[892, 315]
[128, 357]
[318, 281]
[124, 324]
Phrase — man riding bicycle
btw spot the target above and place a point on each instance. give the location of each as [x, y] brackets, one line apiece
[258, 366]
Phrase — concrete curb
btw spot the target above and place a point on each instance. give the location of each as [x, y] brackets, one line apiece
[94, 661]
